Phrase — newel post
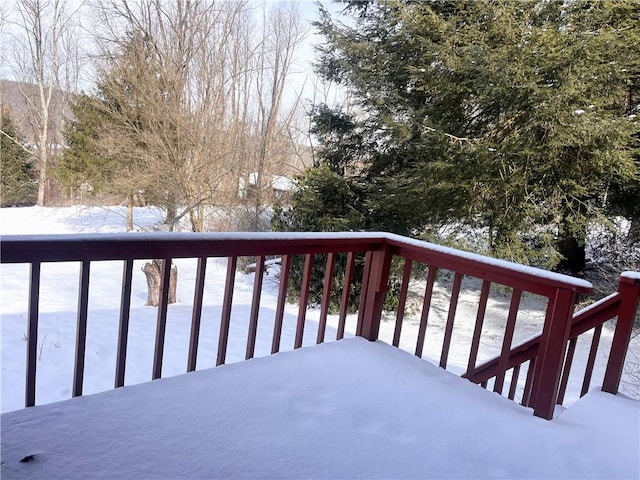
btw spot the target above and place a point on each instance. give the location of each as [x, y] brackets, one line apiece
[629, 289]
[553, 345]
[374, 289]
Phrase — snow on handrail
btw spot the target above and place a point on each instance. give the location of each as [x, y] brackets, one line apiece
[20, 248]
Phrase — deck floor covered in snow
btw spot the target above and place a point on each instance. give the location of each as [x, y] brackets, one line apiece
[348, 409]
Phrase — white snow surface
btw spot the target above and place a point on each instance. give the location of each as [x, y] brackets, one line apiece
[306, 415]
[631, 275]
[283, 184]
[347, 409]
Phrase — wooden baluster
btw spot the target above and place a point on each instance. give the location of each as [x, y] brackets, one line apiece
[304, 299]
[515, 374]
[508, 338]
[528, 384]
[346, 291]
[32, 334]
[81, 329]
[595, 340]
[123, 323]
[161, 327]
[448, 331]
[566, 371]
[196, 314]
[326, 296]
[225, 319]
[477, 331]
[285, 270]
[426, 305]
[402, 300]
[255, 308]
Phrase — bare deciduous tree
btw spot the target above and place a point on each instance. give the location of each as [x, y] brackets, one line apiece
[193, 99]
[197, 98]
[168, 77]
[45, 57]
[283, 32]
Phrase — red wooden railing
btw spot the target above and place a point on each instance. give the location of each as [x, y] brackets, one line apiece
[561, 292]
[546, 354]
[621, 305]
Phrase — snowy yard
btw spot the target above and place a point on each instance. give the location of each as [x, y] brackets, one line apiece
[348, 409]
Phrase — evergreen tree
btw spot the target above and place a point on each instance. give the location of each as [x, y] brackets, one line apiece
[511, 116]
[19, 184]
[625, 201]
[113, 143]
[81, 162]
[325, 202]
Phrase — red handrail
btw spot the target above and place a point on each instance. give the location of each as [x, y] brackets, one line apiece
[622, 304]
[561, 291]
[87, 248]
[545, 353]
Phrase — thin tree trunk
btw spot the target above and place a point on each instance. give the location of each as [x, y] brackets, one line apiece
[130, 213]
[42, 180]
[170, 220]
[42, 149]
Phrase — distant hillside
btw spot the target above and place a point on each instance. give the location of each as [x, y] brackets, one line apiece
[16, 95]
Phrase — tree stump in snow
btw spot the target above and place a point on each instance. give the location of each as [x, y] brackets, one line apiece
[153, 272]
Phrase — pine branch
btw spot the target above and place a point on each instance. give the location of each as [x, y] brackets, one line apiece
[450, 136]
[14, 140]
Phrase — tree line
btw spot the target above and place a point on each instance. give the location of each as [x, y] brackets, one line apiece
[188, 103]
[516, 119]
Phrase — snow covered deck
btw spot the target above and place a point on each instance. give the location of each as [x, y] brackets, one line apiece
[347, 409]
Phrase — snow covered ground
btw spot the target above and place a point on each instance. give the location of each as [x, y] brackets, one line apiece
[59, 289]
[349, 409]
